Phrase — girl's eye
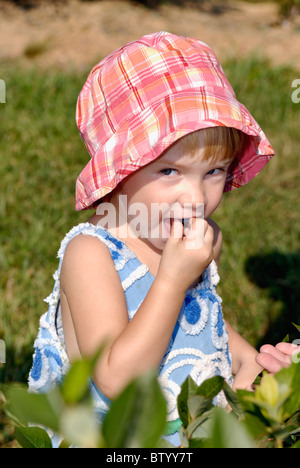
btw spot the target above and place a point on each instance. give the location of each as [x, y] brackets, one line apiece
[168, 171]
[215, 171]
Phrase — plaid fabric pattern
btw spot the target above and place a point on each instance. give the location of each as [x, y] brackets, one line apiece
[146, 95]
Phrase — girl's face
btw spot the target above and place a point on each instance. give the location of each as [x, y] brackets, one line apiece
[177, 178]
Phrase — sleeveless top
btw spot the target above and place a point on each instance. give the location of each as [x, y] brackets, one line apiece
[198, 346]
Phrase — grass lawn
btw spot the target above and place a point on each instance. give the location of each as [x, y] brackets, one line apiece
[41, 155]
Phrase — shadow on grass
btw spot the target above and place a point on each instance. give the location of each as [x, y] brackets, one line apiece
[17, 365]
[279, 273]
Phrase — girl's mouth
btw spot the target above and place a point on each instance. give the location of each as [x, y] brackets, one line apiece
[185, 222]
[168, 223]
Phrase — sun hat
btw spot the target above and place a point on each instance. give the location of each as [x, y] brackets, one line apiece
[146, 95]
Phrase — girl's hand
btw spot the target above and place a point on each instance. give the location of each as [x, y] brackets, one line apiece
[187, 253]
[274, 358]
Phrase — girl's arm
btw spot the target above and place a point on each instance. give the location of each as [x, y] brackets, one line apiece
[94, 307]
[97, 305]
[244, 366]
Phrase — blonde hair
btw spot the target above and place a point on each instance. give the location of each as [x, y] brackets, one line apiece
[220, 143]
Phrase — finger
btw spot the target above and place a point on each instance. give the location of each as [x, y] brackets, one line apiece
[269, 363]
[200, 228]
[176, 230]
[287, 348]
[276, 353]
[195, 233]
[209, 234]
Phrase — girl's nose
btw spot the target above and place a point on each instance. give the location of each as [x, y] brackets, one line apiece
[193, 193]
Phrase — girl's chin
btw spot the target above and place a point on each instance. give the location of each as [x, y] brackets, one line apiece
[158, 236]
[161, 233]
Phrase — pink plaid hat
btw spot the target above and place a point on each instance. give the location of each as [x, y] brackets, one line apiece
[146, 95]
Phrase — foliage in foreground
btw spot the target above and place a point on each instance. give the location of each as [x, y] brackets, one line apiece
[268, 417]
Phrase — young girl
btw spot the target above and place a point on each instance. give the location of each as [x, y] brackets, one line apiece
[166, 137]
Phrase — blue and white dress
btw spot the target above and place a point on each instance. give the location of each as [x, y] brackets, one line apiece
[199, 343]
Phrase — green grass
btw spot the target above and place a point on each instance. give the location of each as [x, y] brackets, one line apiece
[41, 155]
[261, 225]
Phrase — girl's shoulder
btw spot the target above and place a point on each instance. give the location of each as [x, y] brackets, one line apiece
[86, 236]
[85, 249]
[87, 264]
[84, 246]
[81, 236]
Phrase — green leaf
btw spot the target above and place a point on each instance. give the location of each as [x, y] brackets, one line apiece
[247, 401]
[232, 399]
[268, 391]
[198, 404]
[200, 443]
[211, 387]
[296, 444]
[41, 409]
[228, 432]
[183, 437]
[32, 437]
[137, 418]
[289, 382]
[79, 426]
[296, 326]
[64, 444]
[76, 383]
[188, 388]
[194, 400]
[200, 428]
[255, 425]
